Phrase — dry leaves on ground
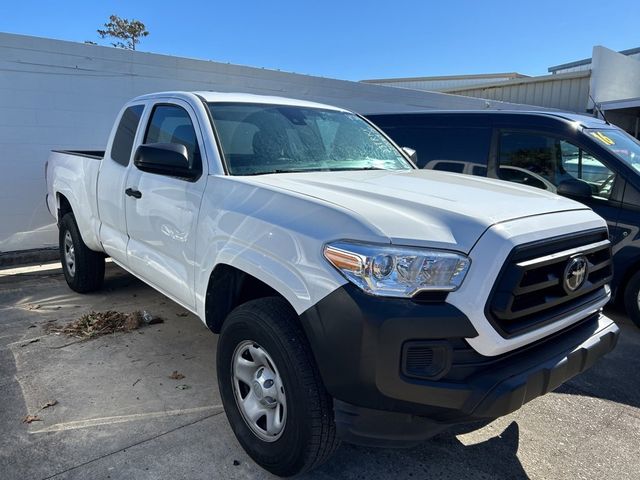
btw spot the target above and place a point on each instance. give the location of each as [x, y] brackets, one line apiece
[94, 324]
[31, 418]
[50, 403]
[35, 417]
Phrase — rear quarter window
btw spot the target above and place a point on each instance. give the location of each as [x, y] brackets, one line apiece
[125, 134]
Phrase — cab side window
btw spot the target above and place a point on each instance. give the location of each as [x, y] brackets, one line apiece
[172, 124]
[125, 135]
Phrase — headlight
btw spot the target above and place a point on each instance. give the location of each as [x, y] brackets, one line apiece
[390, 271]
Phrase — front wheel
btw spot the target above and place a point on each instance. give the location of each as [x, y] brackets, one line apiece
[83, 268]
[271, 389]
[632, 298]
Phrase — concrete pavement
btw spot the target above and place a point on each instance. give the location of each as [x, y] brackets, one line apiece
[120, 416]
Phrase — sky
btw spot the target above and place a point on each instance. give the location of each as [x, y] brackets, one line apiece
[351, 40]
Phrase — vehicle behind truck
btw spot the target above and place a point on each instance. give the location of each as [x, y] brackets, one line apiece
[356, 297]
[580, 157]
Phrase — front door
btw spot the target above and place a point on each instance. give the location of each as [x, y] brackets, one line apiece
[162, 210]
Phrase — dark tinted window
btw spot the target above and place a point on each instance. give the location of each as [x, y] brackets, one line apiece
[125, 134]
[478, 170]
[172, 124]
[535, 153]
[544, 161]
[465, 148]
[456, 167]
[523, 176]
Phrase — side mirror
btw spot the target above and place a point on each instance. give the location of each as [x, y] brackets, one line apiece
[164, 159]
[413, 155]
[575, 188]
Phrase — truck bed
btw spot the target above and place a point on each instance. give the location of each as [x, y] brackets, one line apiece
[71, 177]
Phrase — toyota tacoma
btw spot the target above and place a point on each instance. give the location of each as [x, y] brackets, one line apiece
[356, 296]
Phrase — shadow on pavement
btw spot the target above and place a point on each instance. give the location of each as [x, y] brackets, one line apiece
[615, 377]
[445, 456]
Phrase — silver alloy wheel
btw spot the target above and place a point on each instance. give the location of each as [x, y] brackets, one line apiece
[638, 299]
[258, 390]
[69, 253]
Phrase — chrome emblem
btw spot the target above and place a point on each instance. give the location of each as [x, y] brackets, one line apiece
[575, 273]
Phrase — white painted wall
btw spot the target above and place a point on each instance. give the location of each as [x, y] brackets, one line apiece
[614, 76]
[56, 94]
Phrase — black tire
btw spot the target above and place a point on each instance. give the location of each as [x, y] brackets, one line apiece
[86, 273]
[309, 435]
[632, 298]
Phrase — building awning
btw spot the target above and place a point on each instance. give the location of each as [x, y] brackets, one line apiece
[620, 104]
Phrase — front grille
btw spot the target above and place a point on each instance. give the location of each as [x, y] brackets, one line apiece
[530, 291]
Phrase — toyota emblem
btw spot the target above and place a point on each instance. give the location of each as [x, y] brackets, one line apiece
[575, 273]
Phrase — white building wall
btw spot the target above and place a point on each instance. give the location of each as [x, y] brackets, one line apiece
[614, 76]
[56, 94]
[587, 64]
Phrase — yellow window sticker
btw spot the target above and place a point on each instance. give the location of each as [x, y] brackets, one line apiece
[603, 138]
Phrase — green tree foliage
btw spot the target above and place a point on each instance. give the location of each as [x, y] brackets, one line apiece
[126, 32]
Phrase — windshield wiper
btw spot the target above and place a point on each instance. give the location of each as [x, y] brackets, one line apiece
[303, 170]
[289, 170]
[343, 169]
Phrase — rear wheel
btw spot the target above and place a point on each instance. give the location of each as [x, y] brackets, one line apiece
[271, 389]
[83, 268]
[632, 298]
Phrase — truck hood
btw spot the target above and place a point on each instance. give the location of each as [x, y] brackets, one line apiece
[422, 207]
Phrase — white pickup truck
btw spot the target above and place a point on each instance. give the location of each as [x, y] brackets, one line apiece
[356, 297]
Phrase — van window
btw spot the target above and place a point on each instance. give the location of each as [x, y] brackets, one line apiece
[544, 161]
[462, 150]
[125, 134]
[172, 124]
[620, 143]
[579, 164]
[529, 159]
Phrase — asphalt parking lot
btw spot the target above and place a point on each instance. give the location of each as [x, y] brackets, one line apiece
[119, 416]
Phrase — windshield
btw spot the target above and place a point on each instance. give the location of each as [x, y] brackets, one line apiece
[258, 139]
[621, 144]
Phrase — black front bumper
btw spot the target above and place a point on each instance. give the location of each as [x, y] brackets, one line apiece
[358, 343]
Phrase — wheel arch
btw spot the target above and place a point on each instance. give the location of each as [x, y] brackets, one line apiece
[67, 202]
[63, 206]
[230, 287]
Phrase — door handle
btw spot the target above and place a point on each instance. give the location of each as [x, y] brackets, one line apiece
[133, 193]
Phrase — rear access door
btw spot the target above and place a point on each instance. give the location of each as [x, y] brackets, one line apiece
[111, 183]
